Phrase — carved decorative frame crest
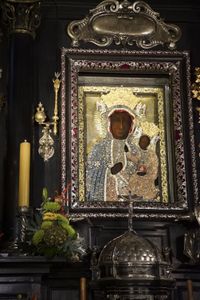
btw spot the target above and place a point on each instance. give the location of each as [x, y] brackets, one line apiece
[163, 76]
[124, 23]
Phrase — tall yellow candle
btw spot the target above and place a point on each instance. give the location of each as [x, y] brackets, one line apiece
[24, 173]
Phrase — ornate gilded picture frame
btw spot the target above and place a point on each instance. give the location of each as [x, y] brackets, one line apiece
[127, 133]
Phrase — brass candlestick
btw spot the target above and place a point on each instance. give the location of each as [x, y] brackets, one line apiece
[46, 149]
[18, 245]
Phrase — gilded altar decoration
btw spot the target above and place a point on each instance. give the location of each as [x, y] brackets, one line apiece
[196, 84]
[21, 16]
[124, 23]
[50, 232]
[46, 142]
[196, 88]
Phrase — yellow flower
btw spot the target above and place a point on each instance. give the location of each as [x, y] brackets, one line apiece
[49, 216]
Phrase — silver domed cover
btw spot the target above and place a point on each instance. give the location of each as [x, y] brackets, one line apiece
[130, 248]
[132, 256]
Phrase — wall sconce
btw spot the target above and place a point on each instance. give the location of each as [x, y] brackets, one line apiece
[196, 88]
[46, 142]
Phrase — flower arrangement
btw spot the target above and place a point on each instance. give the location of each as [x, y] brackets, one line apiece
[51, 234]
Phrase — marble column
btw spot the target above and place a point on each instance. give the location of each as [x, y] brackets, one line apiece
[21, 19]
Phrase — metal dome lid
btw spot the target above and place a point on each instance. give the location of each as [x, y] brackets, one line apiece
[130, 256]
[134, 257]
[130, 248]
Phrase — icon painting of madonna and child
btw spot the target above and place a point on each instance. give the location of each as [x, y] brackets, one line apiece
[123, 156]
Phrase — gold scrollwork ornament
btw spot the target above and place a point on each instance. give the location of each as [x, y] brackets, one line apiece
[136, 23]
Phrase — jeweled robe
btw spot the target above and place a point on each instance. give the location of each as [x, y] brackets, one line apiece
[101, 184]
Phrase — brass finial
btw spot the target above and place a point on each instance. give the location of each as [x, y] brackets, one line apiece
[55, 118]
[40, 115]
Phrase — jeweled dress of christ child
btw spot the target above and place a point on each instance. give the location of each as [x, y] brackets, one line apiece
[122, 161]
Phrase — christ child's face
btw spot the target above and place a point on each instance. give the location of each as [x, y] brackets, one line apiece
[144, 142]
[120, 124]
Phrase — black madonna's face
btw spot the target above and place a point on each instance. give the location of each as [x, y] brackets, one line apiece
[120, 124]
